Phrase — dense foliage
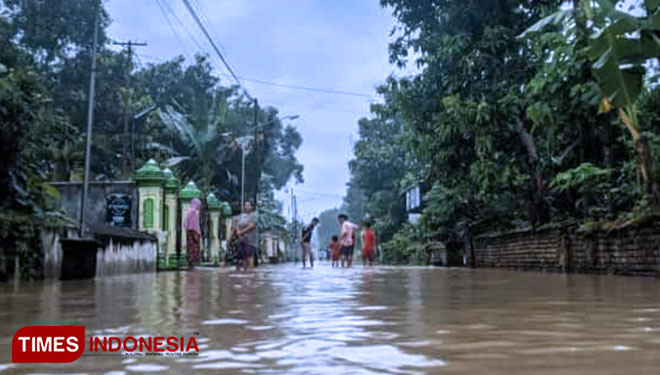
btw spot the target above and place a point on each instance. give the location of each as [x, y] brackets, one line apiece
[524, 113]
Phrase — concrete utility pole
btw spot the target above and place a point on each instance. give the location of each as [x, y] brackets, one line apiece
[90, 121]
[242, 178]
[258, 172]
[125, 157]
[295, 226]
[294, 243]
[256, 151]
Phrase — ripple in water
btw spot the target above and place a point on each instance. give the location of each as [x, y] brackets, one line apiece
[372, 308]
[226, 321]
[147, 367]
[226, 365]
[384, 357]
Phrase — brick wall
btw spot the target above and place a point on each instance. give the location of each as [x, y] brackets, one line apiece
[630, 249]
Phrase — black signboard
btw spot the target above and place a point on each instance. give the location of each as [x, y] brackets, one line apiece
[118, 210]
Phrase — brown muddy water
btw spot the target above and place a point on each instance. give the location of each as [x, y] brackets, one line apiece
[385, 320]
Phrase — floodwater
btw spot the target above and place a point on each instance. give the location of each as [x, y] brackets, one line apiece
[385, 320]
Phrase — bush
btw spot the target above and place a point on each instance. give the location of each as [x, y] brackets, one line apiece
[405, 247]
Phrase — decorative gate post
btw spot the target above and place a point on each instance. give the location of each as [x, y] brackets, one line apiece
[169, 216]
[214, 244]
[225, 210]
[150, 181]
[186, 195]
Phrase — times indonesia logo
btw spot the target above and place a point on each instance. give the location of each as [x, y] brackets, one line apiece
[61, 344]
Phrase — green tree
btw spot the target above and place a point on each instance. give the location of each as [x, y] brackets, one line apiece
[619, 47]
[53, 30]
[27, 126]
[494, 122]
[380, 169]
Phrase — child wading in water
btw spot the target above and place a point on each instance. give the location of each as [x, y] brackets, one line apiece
[335, 247]
[368, 244]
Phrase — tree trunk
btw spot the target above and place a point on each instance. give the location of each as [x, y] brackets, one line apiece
[644, 158]
[536, 208]
[125, 137]
[528, 141]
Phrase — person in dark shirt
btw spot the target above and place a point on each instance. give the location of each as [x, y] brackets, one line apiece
[306, 242]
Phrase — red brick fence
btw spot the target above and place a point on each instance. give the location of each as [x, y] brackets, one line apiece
[632, 249]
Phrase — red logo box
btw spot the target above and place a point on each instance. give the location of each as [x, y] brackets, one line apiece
[48, 344]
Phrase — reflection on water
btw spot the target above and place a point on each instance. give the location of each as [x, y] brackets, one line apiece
[282, 319]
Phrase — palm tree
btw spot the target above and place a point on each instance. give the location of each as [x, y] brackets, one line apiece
[201, 148]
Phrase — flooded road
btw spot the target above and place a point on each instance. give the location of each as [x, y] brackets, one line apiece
[285, 320]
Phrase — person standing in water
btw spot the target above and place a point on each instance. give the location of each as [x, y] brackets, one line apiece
[335, 248]
[346, 239]
[234, 245]
[246, 230]
[193, 232]
[306, 242]
[368, 244]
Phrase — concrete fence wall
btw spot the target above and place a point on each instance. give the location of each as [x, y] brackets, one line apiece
[632, 249]
[102, 208]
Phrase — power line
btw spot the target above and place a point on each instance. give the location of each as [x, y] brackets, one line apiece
[306, 88]
[233, 75]
[215, 47]
[182, 25]
[318, 90]
[126, 159]
[154, 58]
[174, 32]
[203, 12]
[139, 61]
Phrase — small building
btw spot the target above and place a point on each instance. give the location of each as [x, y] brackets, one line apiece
[414, 194]
[272, 246]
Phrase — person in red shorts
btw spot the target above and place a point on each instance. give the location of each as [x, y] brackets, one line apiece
[368, 245]
[335, 247]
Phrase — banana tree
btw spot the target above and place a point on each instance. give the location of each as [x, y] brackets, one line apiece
[620, 46]
[201, 148]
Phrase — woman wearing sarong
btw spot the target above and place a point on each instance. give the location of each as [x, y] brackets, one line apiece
[193, 232]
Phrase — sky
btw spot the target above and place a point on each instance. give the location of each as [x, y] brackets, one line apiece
[337, 45]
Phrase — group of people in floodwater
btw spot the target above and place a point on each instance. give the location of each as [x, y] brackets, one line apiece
[243, 239]
[342, 245]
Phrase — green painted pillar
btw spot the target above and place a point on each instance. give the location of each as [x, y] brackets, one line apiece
[150, 180]
[186, 195]
[226, 213]
[214, 214]
[170, 214]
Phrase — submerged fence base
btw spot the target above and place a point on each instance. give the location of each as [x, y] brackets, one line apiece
[630, 249]
[109, 251]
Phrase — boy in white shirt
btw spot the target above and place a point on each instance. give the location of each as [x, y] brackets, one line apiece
[346, 239]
